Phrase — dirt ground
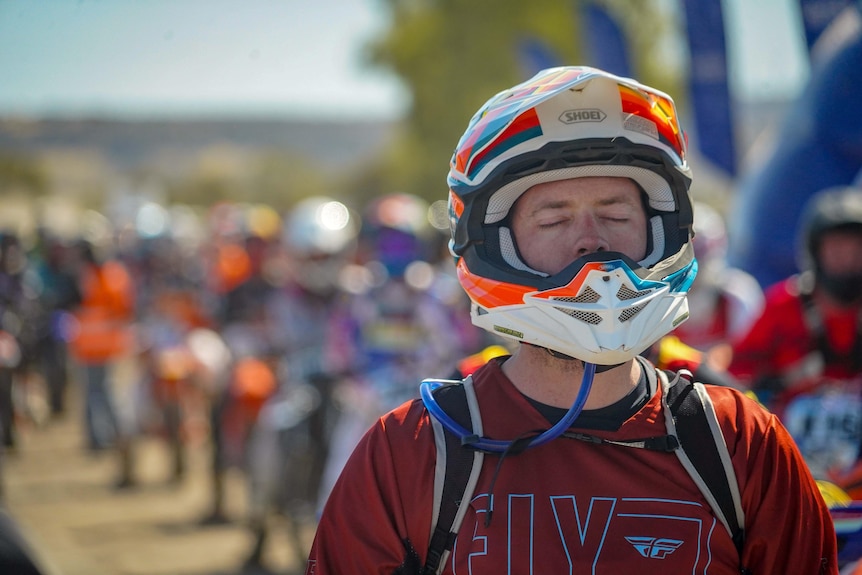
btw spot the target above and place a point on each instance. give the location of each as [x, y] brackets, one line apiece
[65, 501]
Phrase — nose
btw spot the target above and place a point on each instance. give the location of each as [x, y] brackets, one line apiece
[587, 237]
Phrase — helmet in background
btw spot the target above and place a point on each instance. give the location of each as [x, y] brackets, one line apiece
[396, 232]
[833, 209]
[564, 123]
[710, 234]
[320, 236]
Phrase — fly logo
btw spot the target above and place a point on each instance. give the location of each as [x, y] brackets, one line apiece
[653, 548]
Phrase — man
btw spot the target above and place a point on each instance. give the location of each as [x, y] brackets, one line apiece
[102, 335]
[571, 226]
[803, 354]
[810, 327]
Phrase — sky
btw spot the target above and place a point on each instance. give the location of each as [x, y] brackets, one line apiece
[263, 57]
[247, 56]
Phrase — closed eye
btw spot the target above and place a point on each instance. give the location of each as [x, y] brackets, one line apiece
[550, 225]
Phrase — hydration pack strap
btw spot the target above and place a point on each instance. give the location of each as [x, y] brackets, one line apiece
[456, 472]
[691, 418]
[693, 434]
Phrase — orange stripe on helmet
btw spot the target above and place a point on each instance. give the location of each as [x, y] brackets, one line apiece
[659, 110]
[490, 293]
[573, 288]
[456, 204]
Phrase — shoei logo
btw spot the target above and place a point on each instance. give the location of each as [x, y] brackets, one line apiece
[587, 115]
[653, 548]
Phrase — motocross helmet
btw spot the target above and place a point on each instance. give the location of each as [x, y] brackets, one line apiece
[573, 122]
[320, 235]
[710, 234]
[832, 209]
[396, 232]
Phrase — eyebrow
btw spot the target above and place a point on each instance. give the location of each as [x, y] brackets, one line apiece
[605, 201]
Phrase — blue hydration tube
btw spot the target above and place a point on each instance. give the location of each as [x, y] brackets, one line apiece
[488, 445]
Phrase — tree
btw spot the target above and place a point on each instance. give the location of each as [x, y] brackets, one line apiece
[280, 179]
[22, 172]
[454, 54]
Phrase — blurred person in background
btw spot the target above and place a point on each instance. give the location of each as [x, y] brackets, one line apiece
[58, 293]
[244, 278]
[167, 400]
[397, 329]
[723, 301]
[290, 440]
[19, 311]
[101, 336]
[803, 355]
[11, 271]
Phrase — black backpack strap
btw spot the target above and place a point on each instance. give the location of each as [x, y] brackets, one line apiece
[456, 473]
[693, 420]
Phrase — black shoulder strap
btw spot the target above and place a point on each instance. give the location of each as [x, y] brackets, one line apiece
[707, 461]
[456, 473]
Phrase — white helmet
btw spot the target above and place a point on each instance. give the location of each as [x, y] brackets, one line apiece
[320, 234]
[319, 225]
[710, 233]
[564, 123]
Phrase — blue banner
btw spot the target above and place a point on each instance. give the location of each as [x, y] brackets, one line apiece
[535, 55]
[603, 42]
[818, 145]
[708, 84]
[816, 16]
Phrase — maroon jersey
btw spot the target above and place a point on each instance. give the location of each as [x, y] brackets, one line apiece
[574, 507]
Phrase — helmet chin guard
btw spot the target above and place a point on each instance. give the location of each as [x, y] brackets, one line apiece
[605, 315]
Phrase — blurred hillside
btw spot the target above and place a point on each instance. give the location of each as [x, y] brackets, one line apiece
[50, 166]
[131, 145]
[53, 169]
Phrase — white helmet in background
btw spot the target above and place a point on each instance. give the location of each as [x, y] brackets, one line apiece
[710, 235]
[564, 123]
[320, 235]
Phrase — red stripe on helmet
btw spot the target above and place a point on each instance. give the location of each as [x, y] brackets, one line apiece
[490, 293]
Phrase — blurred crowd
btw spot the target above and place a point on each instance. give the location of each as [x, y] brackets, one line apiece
[276, 339]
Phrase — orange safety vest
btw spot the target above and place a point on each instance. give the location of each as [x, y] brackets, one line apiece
[103, 328]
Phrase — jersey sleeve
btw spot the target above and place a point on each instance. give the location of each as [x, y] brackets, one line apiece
[364, 527]
[788, 528]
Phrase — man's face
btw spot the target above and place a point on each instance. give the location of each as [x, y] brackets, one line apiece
[840, 252]
[555, 223]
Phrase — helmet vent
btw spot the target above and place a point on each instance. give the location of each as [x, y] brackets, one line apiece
[584, 316]
[630, 312]
[589, 295]
[626, 293]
